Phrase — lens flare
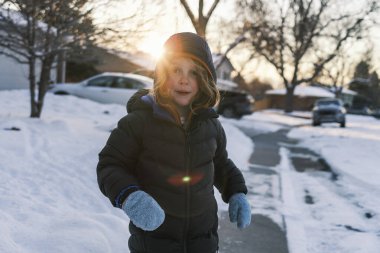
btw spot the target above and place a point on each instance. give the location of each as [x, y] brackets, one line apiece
[181, 179]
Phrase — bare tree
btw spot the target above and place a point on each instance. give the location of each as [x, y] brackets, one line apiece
[339, 71]
[200, 22]
[299, 37]
[35, 32]
[125, 29]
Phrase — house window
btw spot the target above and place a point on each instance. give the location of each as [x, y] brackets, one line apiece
[226, 76]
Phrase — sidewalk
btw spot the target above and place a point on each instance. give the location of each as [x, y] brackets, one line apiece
[262, 236]
[267, 232]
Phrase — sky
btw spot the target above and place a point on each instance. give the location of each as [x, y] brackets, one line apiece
[173, 18]
[50, 200]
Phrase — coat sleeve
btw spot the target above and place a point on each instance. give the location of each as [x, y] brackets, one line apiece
[118, 159]
[228, 179]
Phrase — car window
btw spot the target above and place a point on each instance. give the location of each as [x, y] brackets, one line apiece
[329, 102]
[102, 81]
[127, 83]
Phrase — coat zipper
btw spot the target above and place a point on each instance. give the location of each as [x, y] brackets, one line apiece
[187, 218]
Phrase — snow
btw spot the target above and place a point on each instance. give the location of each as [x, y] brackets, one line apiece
[50, 200]
[337, 146]
[345, 214]
[304, 91]
[18, 19]
[227, 85]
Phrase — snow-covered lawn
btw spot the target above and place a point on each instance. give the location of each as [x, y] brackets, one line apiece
[345, 215]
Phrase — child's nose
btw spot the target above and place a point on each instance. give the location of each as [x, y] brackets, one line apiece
[184, 79]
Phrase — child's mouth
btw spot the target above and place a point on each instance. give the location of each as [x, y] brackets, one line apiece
[182, 93]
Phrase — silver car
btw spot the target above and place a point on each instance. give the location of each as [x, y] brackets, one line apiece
[329, 110]
[109, 87]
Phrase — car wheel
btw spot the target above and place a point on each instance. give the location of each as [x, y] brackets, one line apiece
[229, 112]
[315, 123]
[343, 124]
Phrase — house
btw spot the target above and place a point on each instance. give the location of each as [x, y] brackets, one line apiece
[14, 75]
[368, 90]
[223, 66]
[304, 98]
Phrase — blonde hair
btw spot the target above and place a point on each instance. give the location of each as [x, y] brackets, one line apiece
[207, 96]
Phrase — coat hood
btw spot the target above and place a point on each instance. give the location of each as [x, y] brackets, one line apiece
[193, 46]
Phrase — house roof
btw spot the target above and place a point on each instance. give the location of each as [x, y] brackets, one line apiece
[360, 80]
[346, 91]
[227, 85]
[304, 91]
[217, 58]
[18, 19]
[141, 59]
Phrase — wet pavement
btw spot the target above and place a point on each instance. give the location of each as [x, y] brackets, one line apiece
[264, 235]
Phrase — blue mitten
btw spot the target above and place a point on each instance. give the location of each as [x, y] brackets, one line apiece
[143, 211]
[239, 210]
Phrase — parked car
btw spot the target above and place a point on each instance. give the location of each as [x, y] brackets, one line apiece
[106, 87]
[329, 110]
[234, 102]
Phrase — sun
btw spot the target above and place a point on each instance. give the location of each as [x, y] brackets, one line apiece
[153, 45]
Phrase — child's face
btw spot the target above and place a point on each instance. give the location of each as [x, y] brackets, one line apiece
[182, 81]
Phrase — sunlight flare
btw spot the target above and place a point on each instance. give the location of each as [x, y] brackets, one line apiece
[153, 45]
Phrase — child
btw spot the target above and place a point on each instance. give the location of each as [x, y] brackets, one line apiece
[161, 162]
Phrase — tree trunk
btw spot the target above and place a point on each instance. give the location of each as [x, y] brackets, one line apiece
[289, 99]
[201, 31]
[32, 88]
[44, 82]
[200, 28]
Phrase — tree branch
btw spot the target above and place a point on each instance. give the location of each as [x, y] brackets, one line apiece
[209, 13]
[189, 12]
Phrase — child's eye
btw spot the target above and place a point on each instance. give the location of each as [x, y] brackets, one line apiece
[194, 73]
[176, 70]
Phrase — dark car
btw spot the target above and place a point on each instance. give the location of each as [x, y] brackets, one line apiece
[234, 102]
[328, 110]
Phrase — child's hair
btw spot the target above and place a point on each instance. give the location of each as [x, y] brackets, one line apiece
[208, 94]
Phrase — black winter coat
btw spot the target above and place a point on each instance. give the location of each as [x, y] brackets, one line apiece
[178, 167]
